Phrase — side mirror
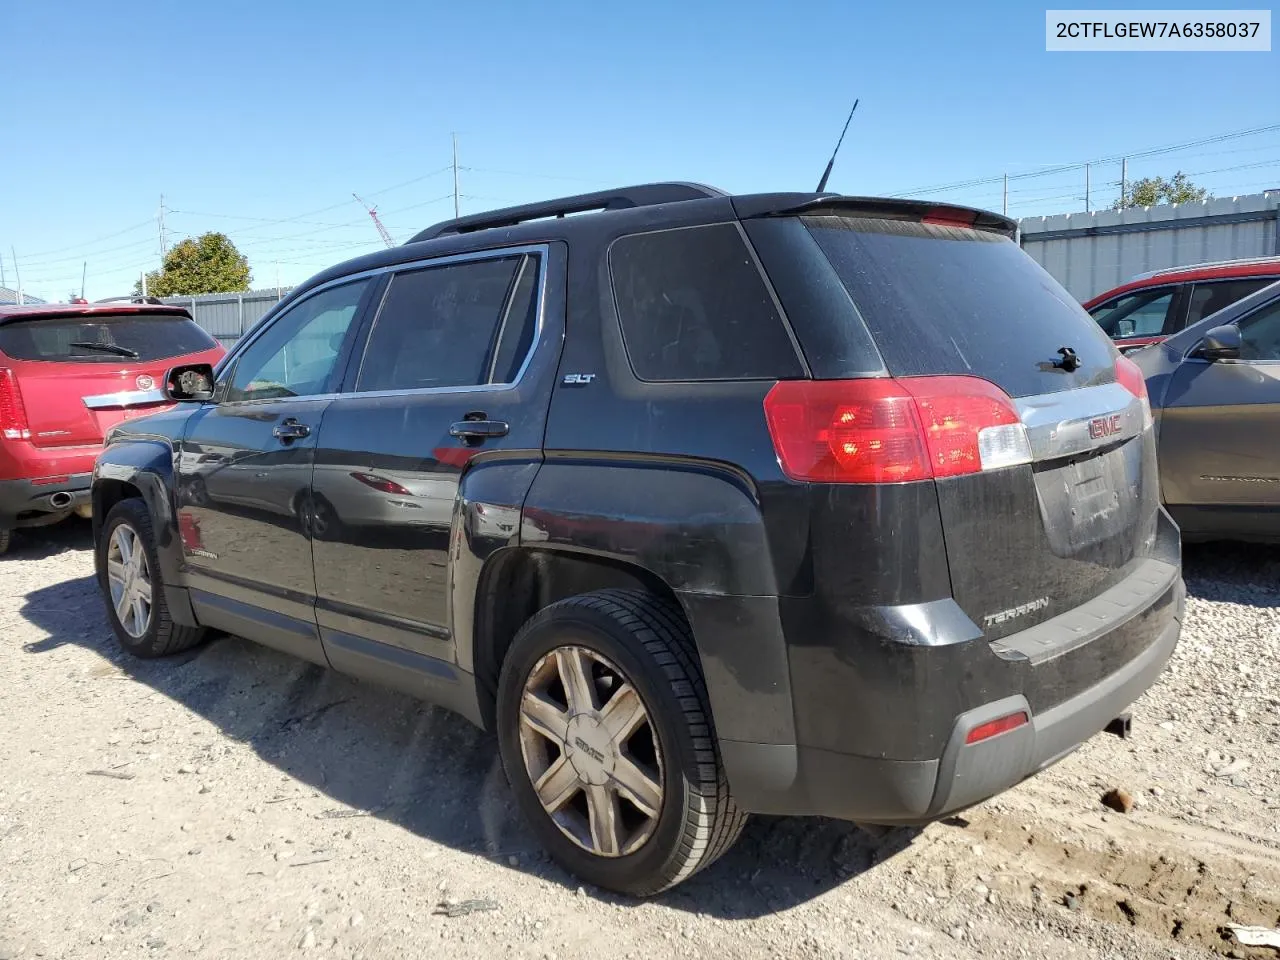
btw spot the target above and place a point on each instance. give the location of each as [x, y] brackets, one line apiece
[1221, 343]
[1125, 328]
[190, 384]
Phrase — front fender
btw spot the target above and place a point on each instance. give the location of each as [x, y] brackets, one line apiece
[144, 465]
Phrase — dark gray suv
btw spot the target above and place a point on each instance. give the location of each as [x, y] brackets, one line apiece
[706, 504]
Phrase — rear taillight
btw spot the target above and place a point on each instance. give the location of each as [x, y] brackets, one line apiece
[13, 415]
[893, 431]
[1129, 375]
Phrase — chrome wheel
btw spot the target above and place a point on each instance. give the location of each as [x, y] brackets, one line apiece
[591, 751]
[129, 577]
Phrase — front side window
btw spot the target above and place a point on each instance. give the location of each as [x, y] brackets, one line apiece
[298, 355]
[454, 325]
[1142, 313]
[1260, 334]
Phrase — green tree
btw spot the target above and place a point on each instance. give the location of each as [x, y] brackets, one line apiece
[1150, 191]
[206, 264]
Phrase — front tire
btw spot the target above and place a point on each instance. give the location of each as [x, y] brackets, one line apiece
[606, 737]
[129, 576]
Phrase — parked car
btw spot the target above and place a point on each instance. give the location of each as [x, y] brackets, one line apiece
[69, 372]
[1156, 305]
[737, 504]
[1215, 389]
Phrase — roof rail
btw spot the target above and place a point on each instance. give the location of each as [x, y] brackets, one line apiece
[1242, 262]
[621, 198]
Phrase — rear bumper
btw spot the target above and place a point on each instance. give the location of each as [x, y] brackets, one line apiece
[898, 755]
[26, 503]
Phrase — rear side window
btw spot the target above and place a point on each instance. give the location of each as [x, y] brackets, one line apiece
[104, 339]
[456, 325]
[1210, 296]
[1140, 313]
[951, 300]
[693, 306]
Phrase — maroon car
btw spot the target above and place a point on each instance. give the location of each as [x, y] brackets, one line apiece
[1156, 305]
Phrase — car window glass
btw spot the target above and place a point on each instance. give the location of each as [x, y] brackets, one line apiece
[1210, 297]
[1260, 334]
[1141, 313]
[297, 356]
[693, 306]
[436, 327]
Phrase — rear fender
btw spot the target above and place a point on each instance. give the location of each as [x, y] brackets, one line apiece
[698, 528]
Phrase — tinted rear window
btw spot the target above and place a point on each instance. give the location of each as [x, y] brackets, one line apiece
[104, 339]
[950, 300]
[693, 306]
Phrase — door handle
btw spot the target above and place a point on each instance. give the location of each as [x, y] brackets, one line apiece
[289, 430]
[477, 431]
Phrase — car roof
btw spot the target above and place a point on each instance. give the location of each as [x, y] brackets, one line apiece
[640, 208]
[50, 311]
[1213, 270]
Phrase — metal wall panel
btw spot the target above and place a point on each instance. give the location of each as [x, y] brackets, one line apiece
[228, 316]
[1089, 253]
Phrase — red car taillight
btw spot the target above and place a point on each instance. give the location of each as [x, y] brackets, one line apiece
[1129, 375]
[893, 431]
[13, 415]
[382, 484]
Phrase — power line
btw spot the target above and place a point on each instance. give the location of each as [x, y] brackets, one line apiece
[1063, 168]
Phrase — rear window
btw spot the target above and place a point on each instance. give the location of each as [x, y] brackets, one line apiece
[104, 339]
[951, 300]
[693, 306]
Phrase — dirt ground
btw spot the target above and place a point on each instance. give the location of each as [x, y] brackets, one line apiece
[233, 802]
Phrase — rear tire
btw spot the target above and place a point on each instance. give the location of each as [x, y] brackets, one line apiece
[620, 639]
[146, 629]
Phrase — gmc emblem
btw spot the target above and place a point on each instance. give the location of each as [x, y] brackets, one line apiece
[1104, 426]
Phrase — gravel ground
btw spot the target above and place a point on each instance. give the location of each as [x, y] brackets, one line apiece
[233, 802]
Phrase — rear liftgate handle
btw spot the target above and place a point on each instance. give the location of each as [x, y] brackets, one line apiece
[474, 428]
[289, 430]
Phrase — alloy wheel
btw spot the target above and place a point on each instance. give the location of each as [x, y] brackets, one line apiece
[591, 751]
[129, 576]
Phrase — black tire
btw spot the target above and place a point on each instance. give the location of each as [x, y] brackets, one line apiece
[648, 638]
[6, 541]
[162, 636]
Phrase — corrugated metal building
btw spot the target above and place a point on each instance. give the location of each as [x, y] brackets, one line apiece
[1089, 253]
[228, 315]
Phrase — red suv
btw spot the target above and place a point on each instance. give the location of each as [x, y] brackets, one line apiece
[68, 372]
[1156, 305]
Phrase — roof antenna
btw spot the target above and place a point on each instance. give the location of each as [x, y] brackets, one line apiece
[826, 174]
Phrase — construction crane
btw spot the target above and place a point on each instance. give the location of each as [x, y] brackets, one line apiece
[373, 212]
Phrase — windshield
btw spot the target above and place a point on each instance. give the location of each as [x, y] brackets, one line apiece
[104, 339]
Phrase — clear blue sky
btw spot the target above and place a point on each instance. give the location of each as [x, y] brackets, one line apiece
[276, 111]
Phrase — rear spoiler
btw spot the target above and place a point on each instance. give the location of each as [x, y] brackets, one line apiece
[63, 311]
[878, 207]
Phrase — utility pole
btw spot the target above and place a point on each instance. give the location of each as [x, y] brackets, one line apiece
[277, 279]
[17, 273]
[1005, 206]
[1124, 182]
[455, 176]
[84, 272]
[144, 284]
[3, 282]
[164, 246]
[1088, 205]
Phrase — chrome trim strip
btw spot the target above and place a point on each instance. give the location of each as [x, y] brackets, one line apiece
[1058, 423]
[125, 398]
